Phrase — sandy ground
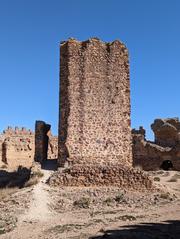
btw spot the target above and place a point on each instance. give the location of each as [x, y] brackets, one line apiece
[79, 213]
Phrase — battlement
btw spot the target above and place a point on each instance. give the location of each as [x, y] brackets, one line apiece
[17, 131]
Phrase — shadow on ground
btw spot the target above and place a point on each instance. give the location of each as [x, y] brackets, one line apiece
[164, 230]
[49, 164]
[14, 179]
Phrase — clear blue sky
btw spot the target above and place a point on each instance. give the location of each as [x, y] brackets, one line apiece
[30, 32]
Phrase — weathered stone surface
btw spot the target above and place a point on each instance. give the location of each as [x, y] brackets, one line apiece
[41, 140]
[151, 155]
[17, 147]
[52, 147]
[166, 131]
[102, 175]
[94, 121]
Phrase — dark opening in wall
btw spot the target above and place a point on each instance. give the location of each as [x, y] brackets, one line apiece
[166, 165]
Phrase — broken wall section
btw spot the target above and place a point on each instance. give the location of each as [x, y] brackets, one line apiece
[16, 147]
[151, 155]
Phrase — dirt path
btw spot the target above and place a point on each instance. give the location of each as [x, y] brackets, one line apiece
[39, 209]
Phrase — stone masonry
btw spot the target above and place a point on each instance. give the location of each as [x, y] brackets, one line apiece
[17, 147]
[42, 131]
[94, 120]
[151, 155]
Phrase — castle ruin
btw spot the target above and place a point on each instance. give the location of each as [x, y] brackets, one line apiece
[94, 120]
[18, 147]
[166, 146]
[95, 143]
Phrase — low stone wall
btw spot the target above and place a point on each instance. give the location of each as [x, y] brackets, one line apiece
[101, 175]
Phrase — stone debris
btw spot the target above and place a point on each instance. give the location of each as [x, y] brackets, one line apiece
[101, 175]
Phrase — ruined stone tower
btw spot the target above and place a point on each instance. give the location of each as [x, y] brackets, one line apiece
[94, 120]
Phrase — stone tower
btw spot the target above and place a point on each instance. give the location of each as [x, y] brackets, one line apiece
[94, 120]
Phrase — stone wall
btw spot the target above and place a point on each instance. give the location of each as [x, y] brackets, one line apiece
[102, 175]
[17, 147]
[150, 155]
[41, 140]
[94, 121]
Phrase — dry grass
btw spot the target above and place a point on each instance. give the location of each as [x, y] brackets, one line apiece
[32, 181]
[83, 202]
[34, 178]
[119, 198]
[174, 178]
[165, 196]
[38, 174]
[6, 192]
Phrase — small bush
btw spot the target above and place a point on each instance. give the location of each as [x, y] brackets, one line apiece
[156, 179]
[32, 181]
[119, 198]
[177, 175]
[82, 202]
[38, 174]
[108, 201]
[127, 218]
[165, 196]
[173, 180]
[2, 230]
[6, 192]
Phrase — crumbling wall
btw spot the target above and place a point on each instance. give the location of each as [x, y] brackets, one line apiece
[102, 175]
[166, 131]
[150, 155]
[17, 147]
[18, 152]
[53, 147]
[94, 121]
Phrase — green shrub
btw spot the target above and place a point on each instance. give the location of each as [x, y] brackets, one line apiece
[119, 198]
[156, 179]
[83, 202]
[108, 201]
